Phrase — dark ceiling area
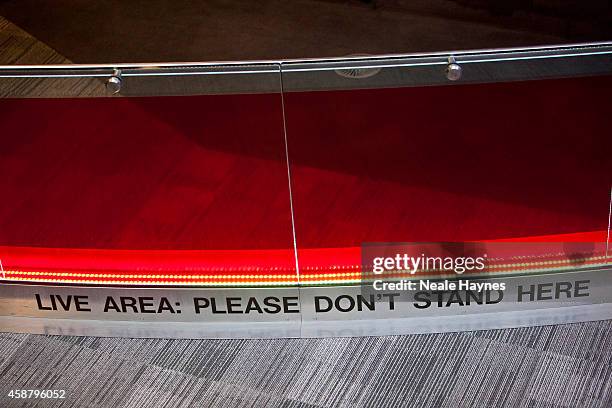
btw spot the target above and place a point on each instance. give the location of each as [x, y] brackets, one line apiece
[165, 30]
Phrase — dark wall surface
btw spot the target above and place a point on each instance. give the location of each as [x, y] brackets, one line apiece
[165, 30]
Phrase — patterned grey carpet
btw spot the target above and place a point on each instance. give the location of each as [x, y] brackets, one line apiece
[553, 366]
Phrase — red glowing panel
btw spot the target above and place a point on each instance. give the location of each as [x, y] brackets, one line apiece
[161, 173]
[450, 163]
[257, 268]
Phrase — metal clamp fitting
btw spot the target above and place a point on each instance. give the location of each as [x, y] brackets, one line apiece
[453, 70]
[113, 84]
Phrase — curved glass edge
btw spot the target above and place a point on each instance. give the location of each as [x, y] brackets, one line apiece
[508, 64]
[314, 329]
[410, 74]
[73, 81]
[285, 312]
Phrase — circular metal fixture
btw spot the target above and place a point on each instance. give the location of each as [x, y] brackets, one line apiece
[453, 70]
[113, 84]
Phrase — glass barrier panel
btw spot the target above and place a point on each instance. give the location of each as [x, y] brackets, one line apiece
[142, 186]
[446, 149]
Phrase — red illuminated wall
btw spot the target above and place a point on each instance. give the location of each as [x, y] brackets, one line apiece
[445, 163]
